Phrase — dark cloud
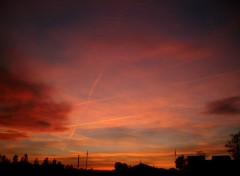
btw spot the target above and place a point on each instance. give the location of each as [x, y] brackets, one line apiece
[225, 106]
[43, 123]
[29, 106]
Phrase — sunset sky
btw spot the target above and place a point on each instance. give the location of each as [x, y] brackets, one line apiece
[127, 80]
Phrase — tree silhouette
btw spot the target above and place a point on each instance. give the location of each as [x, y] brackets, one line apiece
[46, 161]
[4, 159]
[54, 162]
[25, 158]
[181, 162]
[36, 162]
[119, 167]
[15, 158]
[234, 145]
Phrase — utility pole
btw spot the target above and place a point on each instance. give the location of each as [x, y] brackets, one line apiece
[175, 155]
[78, 161]
[87, 160]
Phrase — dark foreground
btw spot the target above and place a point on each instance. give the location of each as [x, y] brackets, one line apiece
[204, 169]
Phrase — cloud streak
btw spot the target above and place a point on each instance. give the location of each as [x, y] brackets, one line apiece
[10, 135]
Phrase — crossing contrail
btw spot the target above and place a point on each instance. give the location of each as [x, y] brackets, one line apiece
[91, 91]
[89, 95]
[134, 115]
[102, 121]
[86, 104]
[73, 131]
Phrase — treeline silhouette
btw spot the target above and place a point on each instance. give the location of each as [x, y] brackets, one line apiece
[186, 166]
[23, 167]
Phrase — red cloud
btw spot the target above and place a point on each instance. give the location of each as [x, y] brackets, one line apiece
[12, 135]
[29, 106]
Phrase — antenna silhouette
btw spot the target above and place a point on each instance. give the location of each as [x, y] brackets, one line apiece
[87, 160]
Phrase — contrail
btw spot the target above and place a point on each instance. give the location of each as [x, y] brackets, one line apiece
[106, 120]
[206, 77]
[94, 86]
[188, 81]
[89, 95]
[98, 100]
[70, 136]
[86, 104]
[102, 121]
[91, 91]
[179, 83]
[132, 116]
[113, 119]
[74, 129]
[88, 98]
